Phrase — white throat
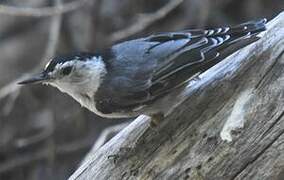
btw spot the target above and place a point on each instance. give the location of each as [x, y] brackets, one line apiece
[83, 87]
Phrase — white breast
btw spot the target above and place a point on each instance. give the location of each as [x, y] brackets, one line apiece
[83, 83]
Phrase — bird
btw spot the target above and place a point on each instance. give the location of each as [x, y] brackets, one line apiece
[144, 75]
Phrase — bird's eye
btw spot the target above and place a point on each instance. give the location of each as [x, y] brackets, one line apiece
[66, 70]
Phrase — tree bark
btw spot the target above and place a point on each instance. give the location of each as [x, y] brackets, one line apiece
[230, 125]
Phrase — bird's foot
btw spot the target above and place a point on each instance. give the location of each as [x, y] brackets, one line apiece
[156, 119]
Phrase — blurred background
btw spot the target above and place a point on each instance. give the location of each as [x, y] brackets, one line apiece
[44, 134]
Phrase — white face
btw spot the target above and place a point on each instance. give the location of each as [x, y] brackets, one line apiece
[79, 79]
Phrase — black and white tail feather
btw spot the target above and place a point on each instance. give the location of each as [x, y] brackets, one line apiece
[204, 49]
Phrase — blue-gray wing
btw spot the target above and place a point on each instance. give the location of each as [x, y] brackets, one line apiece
[146, 69]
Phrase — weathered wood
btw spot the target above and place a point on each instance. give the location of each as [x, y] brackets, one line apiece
[245, 92]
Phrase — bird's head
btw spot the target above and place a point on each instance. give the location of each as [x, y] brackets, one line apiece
[77, 74]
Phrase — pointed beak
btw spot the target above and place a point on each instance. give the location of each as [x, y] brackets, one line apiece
[37, 78]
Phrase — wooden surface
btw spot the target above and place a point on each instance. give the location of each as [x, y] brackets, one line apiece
[230, 126]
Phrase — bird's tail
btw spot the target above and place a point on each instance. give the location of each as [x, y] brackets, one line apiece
[251, 27]
[240, 36]
[205, 49]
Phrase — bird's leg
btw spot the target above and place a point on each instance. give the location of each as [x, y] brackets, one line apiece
[156, 119]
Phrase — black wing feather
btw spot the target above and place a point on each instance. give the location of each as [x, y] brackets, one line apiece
[166, 61]
[204, 50]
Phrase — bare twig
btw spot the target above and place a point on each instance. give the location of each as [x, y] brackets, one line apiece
[53, 37]
[145, 20]
[44, 124]
[23, 160]
[44, 154]
[54, 33]
[13, 88]
[10, 103]
[42, 12]
[10, 88]
[62, 150]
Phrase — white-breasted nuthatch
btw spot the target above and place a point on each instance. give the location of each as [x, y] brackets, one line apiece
[143, 76]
